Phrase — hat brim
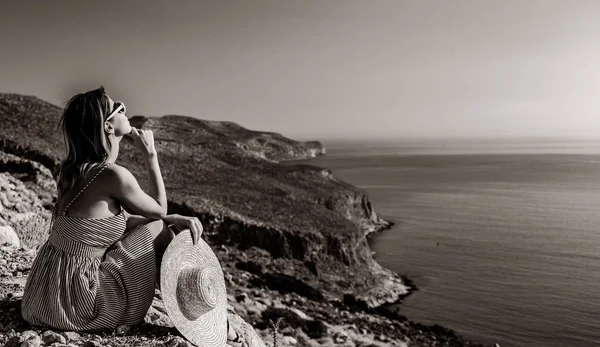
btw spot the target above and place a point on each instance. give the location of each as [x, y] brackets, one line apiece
[210, 329]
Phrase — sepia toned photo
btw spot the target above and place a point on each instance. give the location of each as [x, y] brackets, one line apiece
[300, 173]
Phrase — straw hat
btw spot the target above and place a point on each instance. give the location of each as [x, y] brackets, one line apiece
[193, 291]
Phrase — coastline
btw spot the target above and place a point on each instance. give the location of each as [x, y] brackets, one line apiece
[317, 272]
[259, 290]
[390, 309]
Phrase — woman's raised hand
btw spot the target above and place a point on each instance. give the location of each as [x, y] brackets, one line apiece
[143, 140]
[184, 222]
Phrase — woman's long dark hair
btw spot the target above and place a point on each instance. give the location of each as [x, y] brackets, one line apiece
[87, 144]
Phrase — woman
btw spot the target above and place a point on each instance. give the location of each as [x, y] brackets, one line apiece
[99, 267]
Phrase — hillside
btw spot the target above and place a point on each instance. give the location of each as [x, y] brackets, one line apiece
[223, 173]
[291, 237]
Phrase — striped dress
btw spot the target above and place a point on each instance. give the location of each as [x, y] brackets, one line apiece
[89, 275]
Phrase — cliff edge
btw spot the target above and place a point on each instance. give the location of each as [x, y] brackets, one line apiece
[311, 224]
[291, 237]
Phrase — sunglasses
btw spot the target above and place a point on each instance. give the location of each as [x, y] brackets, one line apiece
[118, 107]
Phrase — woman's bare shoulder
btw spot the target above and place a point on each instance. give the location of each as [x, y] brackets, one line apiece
[118, 174]
[115, 169]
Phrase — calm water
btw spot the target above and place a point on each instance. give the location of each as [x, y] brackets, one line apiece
[504, 245]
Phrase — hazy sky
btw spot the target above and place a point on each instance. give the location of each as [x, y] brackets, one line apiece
[320, 69]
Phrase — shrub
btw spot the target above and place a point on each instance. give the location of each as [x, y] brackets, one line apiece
[33, 231]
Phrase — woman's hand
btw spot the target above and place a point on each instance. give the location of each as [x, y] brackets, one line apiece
[184, 222]
[143, 140]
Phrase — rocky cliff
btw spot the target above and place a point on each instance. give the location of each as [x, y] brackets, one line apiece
[231, 178]
[291, 238]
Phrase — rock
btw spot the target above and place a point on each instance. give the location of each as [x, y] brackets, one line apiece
[316, 329]
[242, 297]
[156, 317]
[265, 301]
[71, 336]
[14, 341]
[284, 284]
[300, 313]
[240, 325]
[238, 308]
[92, 344]
[325, 341]
[289, 317]
[50, 337]
[9, 237]
[178, 341]
[255, 308]
[250, 266]
[229, 279]
[32, 342]
[340, 337]
[28, 334]
[312, 267]
[289, 340]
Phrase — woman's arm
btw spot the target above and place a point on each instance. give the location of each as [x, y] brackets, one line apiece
[176, 223]
[157, 184]
[126, 189]
[134, 220]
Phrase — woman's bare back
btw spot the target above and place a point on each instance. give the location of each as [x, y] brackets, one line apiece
[94, 201]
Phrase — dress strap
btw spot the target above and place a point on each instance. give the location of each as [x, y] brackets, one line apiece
[87, 185]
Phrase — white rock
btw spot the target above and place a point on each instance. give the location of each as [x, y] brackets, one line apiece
[8, 236]
[28, 334]
[340, 337]
[256, 308]
[295, 310]
[265, 301]
[71, 336]
[50, 337]
[32, 342]
[289, 340]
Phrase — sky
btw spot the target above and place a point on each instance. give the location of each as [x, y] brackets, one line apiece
[321, 69]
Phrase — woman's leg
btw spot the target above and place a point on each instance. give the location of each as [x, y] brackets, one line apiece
[162, 236]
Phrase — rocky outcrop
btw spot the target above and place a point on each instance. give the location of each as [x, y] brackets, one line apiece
[251, 305]
[222, 173]
[358, 208]
[26, 194]
[300, 254]
[259, 144]
[316, 148]
[8, 237]
[34, 176]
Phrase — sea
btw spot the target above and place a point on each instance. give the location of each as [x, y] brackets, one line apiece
[501, 238]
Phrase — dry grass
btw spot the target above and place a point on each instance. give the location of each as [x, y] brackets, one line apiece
[33, 231]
